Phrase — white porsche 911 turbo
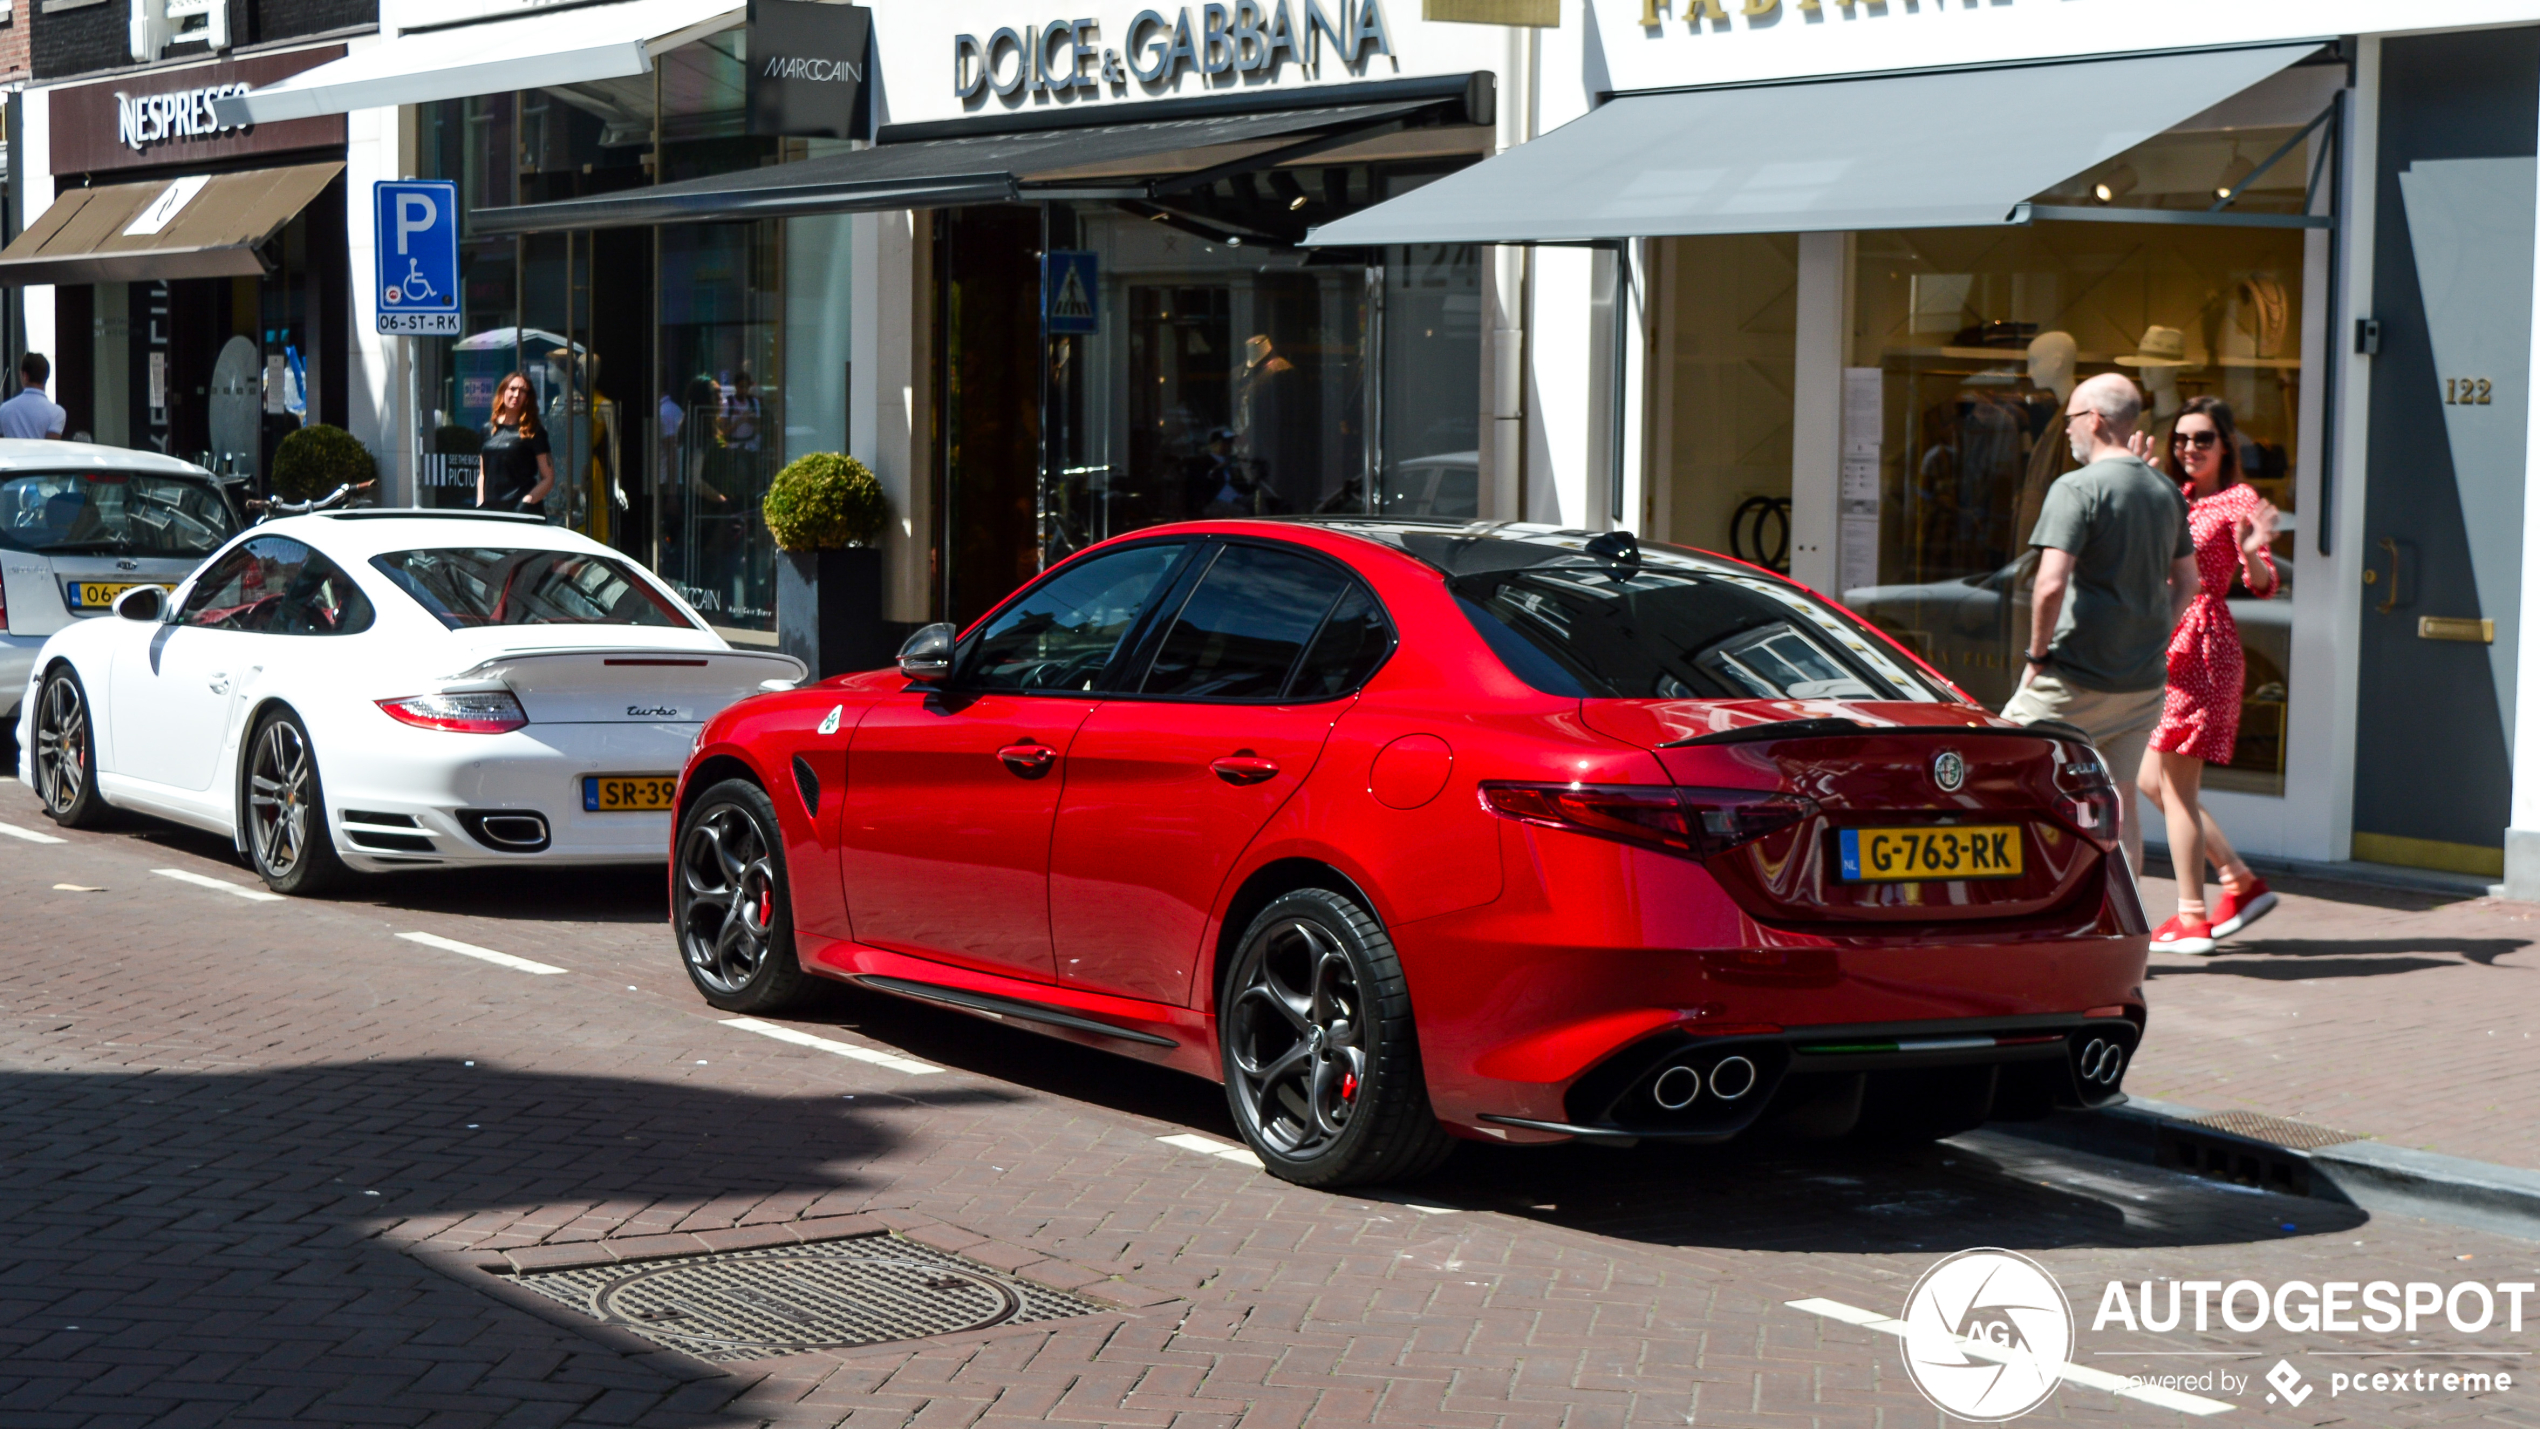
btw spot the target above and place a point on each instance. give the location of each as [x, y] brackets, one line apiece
[374, 690]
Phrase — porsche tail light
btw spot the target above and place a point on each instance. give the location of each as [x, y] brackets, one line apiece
[476, 712]
[1690, 823]
[2090, 796]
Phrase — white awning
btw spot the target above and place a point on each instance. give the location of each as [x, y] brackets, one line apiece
[574, 44]
[1925, 150]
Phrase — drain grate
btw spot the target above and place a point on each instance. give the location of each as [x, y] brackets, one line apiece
[753, 1304]
[2275, 1130]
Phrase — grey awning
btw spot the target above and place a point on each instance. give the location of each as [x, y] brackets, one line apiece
[199, 226]
[1926, 150]
[970, 168]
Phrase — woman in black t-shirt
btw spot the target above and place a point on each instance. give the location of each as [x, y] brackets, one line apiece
[514, 472]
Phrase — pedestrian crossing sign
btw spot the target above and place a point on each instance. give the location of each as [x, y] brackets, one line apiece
[1069, 293]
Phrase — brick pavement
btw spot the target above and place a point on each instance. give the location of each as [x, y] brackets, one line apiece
[239, 1139]
[2408, 1017]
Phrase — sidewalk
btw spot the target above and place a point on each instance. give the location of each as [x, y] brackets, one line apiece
[2398, 1015]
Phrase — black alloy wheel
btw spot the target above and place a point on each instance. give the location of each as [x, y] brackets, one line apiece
[731, 903]
[1321, 1060]
[65, 754]
[287, 835]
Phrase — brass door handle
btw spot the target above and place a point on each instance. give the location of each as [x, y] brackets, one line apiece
[2390, 600]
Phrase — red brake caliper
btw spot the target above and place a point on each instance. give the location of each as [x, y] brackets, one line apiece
[1349, 1086]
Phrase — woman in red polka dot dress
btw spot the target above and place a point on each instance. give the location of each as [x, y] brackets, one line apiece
[2232, 526]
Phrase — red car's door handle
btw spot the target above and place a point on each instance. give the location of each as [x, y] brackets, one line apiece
[1244, 767]
[1031, 759]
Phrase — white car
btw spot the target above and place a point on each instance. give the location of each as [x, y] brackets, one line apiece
[82, 524]
[375, 690]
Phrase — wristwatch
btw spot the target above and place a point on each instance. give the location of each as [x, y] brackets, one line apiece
[2037, 659]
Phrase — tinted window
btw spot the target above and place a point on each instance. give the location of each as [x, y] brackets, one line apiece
[276, 586]
[1677, 633]
[473, 586]
[112, 512]
[1060, 635]
[1240, 633]
[1353, 642]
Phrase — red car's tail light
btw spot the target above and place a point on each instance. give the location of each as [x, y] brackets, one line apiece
[1691, 823]
[481, 712]
[2090, 795]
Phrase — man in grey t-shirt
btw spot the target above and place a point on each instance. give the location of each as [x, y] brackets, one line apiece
[2115, 570]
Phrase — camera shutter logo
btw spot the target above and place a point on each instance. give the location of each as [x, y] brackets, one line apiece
[1949, 771]
[1985, 1334]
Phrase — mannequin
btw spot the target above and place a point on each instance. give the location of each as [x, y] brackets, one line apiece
[2051, 359]
[2157, 360]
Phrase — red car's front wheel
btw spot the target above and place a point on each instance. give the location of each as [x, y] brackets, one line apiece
[730, 903]
[1322, 1062]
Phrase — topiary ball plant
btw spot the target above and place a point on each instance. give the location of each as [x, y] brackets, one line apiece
[315, 460]
[825, 501]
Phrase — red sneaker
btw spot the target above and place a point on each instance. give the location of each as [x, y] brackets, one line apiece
[2184, 935]
[2231, 914]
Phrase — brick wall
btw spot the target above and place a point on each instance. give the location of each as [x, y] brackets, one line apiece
[98, 36]
[13, 56]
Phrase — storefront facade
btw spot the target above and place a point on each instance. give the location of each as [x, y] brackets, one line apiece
[1853, 330]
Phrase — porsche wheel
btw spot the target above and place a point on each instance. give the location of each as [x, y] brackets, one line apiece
[731, 904]
[285, 809]
[1322, 1064]
[65, 753]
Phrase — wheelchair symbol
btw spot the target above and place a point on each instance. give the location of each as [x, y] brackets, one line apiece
[415, 289]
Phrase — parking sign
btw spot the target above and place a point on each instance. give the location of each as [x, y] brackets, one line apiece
[417, 240]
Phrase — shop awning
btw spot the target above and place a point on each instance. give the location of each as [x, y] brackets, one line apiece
[200, 226]
[1072, 161]
[1925, 150]
[570, 44]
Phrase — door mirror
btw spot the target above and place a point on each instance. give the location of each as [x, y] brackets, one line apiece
[927, 657]
[143, 602]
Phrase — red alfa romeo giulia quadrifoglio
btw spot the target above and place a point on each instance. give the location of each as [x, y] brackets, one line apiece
[1409, 832]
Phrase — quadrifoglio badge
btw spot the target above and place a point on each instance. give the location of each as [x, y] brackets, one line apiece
[1989, 1335]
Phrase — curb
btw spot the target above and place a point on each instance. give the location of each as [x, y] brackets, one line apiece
[2372, 1175]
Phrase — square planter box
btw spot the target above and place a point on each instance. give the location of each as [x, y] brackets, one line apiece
[829, 611]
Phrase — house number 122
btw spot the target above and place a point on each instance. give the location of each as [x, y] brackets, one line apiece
[2468, 392]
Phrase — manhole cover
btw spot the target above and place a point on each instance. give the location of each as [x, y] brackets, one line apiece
[2275, 1130]
[838, 1294]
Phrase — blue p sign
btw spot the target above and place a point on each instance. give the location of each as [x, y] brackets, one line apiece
[416, 236]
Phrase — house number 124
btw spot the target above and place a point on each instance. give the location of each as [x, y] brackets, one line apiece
[2468, 392]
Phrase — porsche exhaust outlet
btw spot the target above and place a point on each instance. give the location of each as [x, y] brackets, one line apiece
[506, 830]
[1676, 1088]
[1732, 1077]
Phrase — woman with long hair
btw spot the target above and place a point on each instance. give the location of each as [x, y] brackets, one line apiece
[2232, 526]
[515, 471]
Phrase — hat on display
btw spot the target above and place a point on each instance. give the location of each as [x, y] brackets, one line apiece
[2161, 347]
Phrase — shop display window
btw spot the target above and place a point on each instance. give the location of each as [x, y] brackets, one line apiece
[1966, 343]
[1728, 314]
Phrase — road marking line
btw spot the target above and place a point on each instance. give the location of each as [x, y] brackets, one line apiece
[252, 895]
[453, 945]
[2074, 1374]
[1207, 1147]
[1426, 1208]
[30, 835]
[844, 1049]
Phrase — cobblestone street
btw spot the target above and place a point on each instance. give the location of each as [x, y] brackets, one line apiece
[260, 1153]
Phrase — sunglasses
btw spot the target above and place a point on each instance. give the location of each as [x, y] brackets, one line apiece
[2202, 441]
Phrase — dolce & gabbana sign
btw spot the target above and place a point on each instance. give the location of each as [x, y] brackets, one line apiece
[166, 116]
[1244, 37]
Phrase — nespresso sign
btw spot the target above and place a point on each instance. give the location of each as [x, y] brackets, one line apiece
[807, 68]
[166, 117]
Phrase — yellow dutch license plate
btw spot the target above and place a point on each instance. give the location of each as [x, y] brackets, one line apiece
[628, 793]
[97, 595]
[1956, 851]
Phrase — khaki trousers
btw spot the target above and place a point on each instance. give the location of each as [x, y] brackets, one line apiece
[2120, 724]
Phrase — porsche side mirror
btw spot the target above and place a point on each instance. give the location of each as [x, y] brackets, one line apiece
[143, 602]
[927, 657]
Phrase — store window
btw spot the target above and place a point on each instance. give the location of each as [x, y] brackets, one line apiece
[1970, 342]
[1729, 318]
